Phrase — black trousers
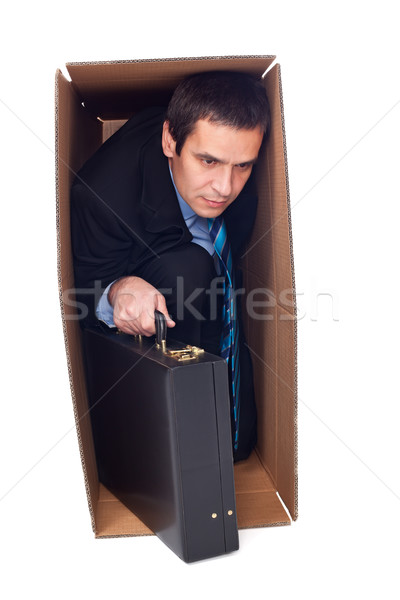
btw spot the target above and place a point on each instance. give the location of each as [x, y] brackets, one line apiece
[186, 276]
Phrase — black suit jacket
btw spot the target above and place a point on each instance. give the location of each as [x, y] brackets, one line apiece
[124, 209]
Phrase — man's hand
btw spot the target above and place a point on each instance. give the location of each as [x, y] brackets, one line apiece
[134, 302]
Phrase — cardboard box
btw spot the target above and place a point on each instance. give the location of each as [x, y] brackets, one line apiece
[99, 98]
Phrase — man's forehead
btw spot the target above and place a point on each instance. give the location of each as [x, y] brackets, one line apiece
[218, 141]
[210, 126]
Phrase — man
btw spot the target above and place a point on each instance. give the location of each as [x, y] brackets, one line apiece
[142, 215]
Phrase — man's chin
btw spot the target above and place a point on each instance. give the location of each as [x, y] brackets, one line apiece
[210, 209]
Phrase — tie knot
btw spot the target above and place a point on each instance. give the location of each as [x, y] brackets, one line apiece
[216, 227]
[215, 221]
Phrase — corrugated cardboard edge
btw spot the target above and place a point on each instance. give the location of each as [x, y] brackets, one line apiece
[263, 526]
[150, 60]
[123, 535]
[241, 528]
[63, 319]
[295, 391]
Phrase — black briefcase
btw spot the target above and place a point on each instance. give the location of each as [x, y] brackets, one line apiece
[162, 434]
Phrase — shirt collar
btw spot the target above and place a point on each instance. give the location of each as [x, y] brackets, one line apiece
[186, 210]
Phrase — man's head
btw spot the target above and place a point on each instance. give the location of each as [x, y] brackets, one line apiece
[213, 131]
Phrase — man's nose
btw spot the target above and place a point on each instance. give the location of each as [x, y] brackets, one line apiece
[223, 181]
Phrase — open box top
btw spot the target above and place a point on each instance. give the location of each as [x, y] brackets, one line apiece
[97, 100]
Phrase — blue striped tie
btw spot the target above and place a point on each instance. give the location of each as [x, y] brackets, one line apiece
[230, 328]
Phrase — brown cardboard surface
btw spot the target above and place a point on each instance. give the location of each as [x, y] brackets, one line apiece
[110, 127]
[88, 110]
[257, 503]
[260, 510]
[269, 252]
[250, 476]
[118, 89]
[268, 266]
[71, 151]
[114, 519]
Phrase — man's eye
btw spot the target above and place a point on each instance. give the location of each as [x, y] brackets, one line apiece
[243, 166]
[208, 162]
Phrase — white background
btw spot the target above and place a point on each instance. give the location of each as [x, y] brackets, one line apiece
[341, 84]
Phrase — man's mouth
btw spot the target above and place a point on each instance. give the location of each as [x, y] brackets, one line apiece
[215, 203]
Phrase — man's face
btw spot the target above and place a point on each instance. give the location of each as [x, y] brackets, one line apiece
[214, 164]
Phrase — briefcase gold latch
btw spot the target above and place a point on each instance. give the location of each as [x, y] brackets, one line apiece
[181, 354]
[184, 354]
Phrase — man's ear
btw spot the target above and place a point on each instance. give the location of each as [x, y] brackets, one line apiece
[168, 142]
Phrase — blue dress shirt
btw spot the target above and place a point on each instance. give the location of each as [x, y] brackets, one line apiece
[198, 227]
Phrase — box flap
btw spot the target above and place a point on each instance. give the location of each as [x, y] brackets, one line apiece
[112, 90]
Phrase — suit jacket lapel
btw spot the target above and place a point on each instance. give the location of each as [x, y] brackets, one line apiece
[161, 210]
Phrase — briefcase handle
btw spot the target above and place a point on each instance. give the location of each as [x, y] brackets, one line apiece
[161, 329]
[186, 353]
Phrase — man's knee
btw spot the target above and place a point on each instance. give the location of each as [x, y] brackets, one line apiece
[192, 263]
[189, 281]
[188, 267]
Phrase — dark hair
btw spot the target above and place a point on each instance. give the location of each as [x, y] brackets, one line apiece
[230, 98]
